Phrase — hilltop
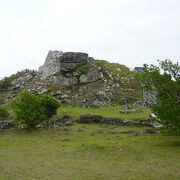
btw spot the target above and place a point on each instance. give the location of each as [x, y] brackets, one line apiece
[77, 79]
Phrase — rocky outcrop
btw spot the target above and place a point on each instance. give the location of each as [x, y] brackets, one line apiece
[57, 61]
[24, 80]
[75, 78]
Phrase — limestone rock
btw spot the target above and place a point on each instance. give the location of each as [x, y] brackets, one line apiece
[57, 61]
[51, 65]
[83, 78]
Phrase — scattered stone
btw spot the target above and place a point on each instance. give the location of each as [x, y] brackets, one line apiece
[68, 123]
[89, 119]
[50, 123]
[64, 96]
[150, 131]
[6, 125]
[116, 121]
[65, 117]
[123, 101]
[137, 104]
[152, 115]
[127, 111]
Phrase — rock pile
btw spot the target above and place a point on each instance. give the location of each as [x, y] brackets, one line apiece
[116, 121]
[6, 125]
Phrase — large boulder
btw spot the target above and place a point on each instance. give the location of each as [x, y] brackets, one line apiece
[51, 65]
[57, 61]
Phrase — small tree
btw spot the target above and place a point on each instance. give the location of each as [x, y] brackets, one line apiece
[164, 82]
[32, 109]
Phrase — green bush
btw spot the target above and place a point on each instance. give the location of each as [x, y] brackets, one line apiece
[32, 109]
[164, 82]
[3, 113]
[49, 106]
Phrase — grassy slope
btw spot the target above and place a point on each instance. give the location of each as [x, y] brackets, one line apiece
[113, 111]
[89, 152]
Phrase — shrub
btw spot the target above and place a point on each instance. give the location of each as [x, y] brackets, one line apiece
[164, 82]
[31, 109]
[3, 113]
[49, 106]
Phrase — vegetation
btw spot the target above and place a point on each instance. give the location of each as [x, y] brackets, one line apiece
[81, 69]
[164, 82]
[3, 112]
[89, 152]
[32, 109]
[114, 68]
[48, 106]
[5, 83]
[113, 111]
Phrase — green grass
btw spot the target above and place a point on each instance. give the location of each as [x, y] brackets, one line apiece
[88, 152]
[114, 68]
[113, 111]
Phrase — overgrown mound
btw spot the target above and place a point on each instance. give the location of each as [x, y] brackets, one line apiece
[76, 79]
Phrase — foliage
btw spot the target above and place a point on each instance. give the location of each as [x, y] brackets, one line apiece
[5, 83]
[112, 111]
[3, 112]
[113, 68]
[31, 109]
[164, 82]
[82, 69]
[49, 105]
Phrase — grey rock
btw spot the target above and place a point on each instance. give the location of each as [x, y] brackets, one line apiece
[116, 121]
[57, 61]
[83, 78]
[152, 115]
[123, 101]
[64, 81]
[51, 65]
[127, 111]
[94, 75]
[150, 131]
[6, 125]
[64, 96]
[68, 123]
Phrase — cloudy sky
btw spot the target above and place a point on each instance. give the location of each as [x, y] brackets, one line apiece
[130, 32]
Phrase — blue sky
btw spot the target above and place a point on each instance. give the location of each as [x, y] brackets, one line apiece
[130, 32]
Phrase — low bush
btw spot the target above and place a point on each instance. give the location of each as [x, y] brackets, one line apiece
[32, 109]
